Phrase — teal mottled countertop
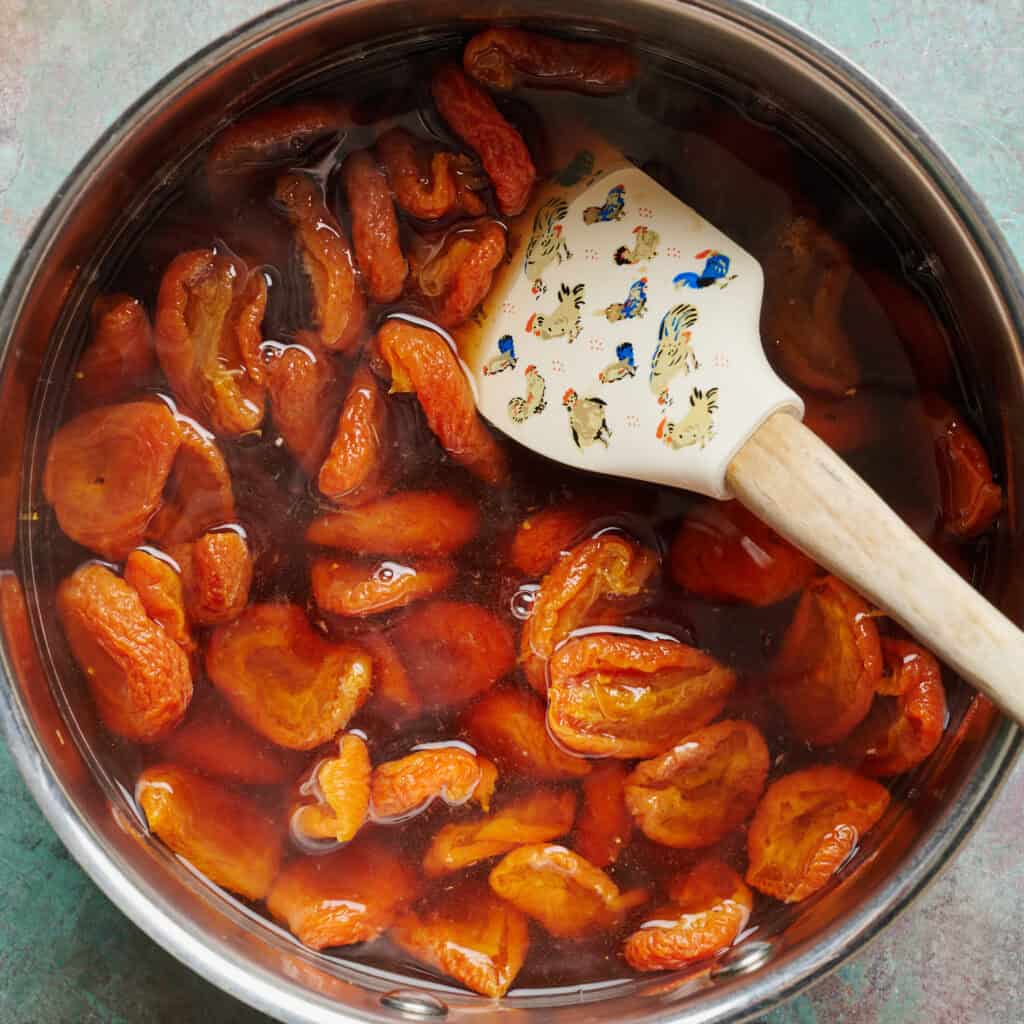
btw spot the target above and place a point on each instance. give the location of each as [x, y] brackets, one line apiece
[67, 68]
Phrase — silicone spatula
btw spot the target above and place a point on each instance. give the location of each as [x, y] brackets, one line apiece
[623, 338]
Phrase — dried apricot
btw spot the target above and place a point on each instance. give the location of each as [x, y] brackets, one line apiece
[355, 471]
[596, 571]
[105, 473]
[344, 587]
[605, 826]
[426, 187]
[225, 835]
[212, 741]
[374, 227]
[158, 584]
[844, 424]
[806, 826]
[470, 935]
[343, 783]
[971, 499]
[565, 893]
[304, 399]
[270, 138]
[535, 818]
[198, 494]
[284, 678]
[458, 277]
[701, 789]
[428, 523]
[828, 664]
[453, 651]
[722, 552]
[423, 362]
[339, 309]
[805, 283]
[138, 676]
[349, 896]
[393, 697]
[216, 571]
[710, 907]
[622, 696]
[900, 733]
[120, 354]
[409, 785]
[472, 115]
[208, 319]
[504, 58]
[508, 724]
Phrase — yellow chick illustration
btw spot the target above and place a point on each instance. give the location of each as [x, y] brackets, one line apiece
[587, 419]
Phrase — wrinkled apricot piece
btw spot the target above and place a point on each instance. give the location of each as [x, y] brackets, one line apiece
[457, 279]
[423, 362]
[722, 552]
[453, 651]
[701, 789]
[428, 523]
[273, 137]
[339, 309]
[159, 587]
[806, 826]
[105, 472]
[120, 354]
[394, 697]
[472, 115]
[565, 893]
[355, 470]
[536, 818]
[410, 784]
[138, 676]
[213, 742]
[374, 227]
[624, 696]
[348, 896]
[284, 678]
[470, 935]
[508, 725]
[345, 587]
[427, 187]
[844, 424]
[225, 835]
[805, 283]
[503, 58]
[900, 733]
[216, 571]
[343, 783]
[710, 907]
[605, 826]
[971, 499]
[198, 494]
[207, 332]
[598, 570]
[828, 664]
[304, 399]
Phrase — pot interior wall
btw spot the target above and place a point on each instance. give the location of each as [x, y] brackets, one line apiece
[773, 77]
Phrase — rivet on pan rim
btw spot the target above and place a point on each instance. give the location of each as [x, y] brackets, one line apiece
[750, 957]
[414, 1005]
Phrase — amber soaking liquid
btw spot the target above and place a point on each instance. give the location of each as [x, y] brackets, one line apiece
[751, 171]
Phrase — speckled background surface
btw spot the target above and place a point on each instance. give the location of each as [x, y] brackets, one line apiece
[67, 68]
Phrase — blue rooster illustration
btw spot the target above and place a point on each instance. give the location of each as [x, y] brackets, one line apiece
[674, 354]
[624, 365]
[634, 306]
[505, 359]
[716, 271]
[614, 207]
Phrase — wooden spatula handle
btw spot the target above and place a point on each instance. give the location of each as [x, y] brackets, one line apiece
[793, 481]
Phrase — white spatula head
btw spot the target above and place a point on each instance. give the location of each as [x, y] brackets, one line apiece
[623, 336]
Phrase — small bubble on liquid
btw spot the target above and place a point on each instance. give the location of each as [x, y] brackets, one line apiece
[522, 601]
